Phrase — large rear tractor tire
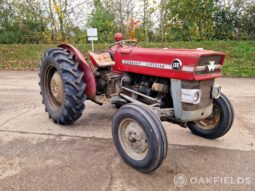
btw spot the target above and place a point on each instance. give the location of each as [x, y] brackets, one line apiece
[218, 124]
[139, 137]
[62, 86]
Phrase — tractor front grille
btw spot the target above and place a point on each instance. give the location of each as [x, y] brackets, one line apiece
[206, 87]
[202, 67]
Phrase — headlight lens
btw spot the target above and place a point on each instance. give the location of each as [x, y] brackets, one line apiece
[192, 96]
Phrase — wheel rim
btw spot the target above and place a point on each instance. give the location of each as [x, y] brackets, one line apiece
[212, 121]
[133, 139]
[54, 86]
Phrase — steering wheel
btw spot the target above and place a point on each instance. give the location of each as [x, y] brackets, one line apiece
[125, 43]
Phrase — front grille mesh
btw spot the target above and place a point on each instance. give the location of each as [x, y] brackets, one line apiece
[205, 60]
[206, 87]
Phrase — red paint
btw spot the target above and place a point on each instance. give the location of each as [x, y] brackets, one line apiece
[88, 78]
[164, 56]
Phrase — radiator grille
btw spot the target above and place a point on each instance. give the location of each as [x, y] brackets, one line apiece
[206, 87]
[205, 60]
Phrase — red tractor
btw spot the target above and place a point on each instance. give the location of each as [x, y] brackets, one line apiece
[147, 86]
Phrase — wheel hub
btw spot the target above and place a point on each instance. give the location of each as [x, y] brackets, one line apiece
[136, 137]
[133, 139]
[56, 88]
[211, 121]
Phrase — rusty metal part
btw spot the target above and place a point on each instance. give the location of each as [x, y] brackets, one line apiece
[51, 86]
[140, 94]
[126, 79]
[102, 60]
[56, 87]
[162, 113]
[133, 139]
[101, 99]
[108, 83]
[211, 121]
[158, 87]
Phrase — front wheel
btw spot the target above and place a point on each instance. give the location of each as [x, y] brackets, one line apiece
[218, 123]
[139, 137]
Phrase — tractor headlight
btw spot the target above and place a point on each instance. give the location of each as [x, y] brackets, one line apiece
[196, 97]
[192, 96]
[216, 91]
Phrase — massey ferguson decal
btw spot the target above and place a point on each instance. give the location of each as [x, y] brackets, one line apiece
[148, 64]
[211, 66]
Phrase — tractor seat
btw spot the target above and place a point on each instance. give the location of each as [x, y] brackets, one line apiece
[101, 60]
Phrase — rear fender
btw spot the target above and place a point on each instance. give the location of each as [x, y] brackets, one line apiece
[88, 78]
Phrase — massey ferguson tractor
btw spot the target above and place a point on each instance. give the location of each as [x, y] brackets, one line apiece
[147, 86]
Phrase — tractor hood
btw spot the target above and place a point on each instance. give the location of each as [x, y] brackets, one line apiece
[184, 64]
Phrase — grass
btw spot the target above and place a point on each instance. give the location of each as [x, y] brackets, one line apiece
[240, 61]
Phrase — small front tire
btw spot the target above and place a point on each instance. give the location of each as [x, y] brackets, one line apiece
[218, 124]
[139, 137]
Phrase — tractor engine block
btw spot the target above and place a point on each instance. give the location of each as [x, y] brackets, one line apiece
[150, 86]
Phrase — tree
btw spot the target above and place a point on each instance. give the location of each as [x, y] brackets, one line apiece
[163, 12]
[22, 21]
[47, 21]
[123, 10]
[148, 8]
[102, 19]
[248, 21]
[63, 16]
[193, 18]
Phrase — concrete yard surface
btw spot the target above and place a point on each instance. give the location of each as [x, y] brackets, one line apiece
[36, 154]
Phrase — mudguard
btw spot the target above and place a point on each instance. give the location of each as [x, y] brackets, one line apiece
[88, 77]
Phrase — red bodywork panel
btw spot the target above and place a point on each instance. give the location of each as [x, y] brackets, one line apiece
[88, 77]
[130, 59]
[188, 57]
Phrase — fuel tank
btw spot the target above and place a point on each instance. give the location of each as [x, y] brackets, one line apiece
[182, 64]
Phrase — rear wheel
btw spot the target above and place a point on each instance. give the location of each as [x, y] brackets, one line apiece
[139, 137]
[62, 86]
[218, 124]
